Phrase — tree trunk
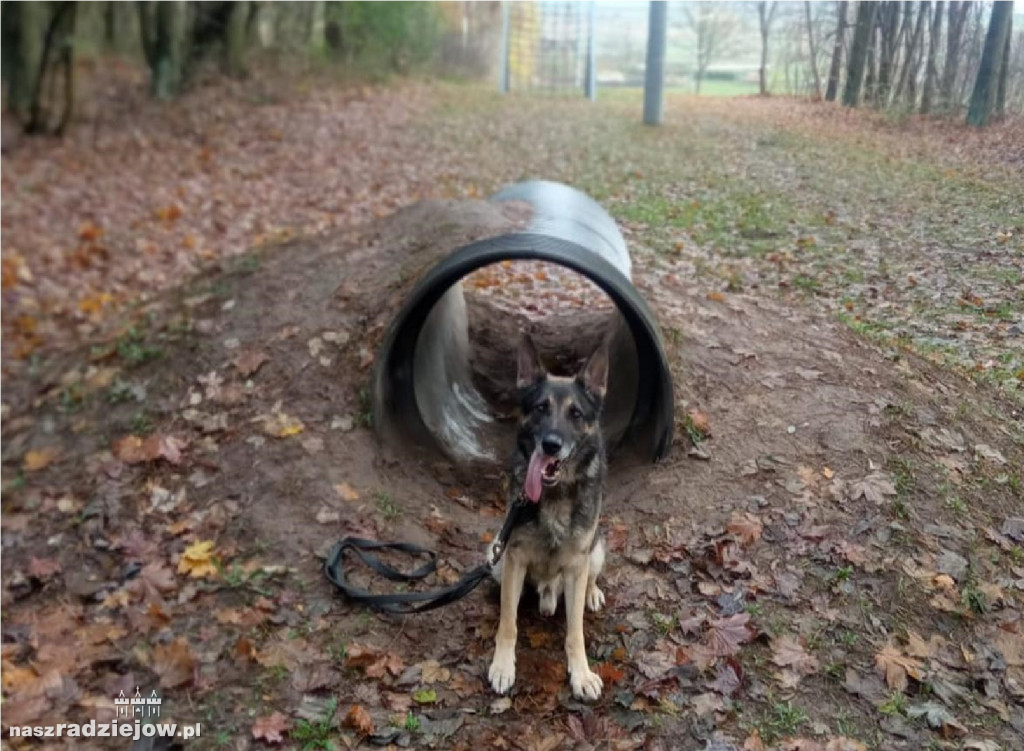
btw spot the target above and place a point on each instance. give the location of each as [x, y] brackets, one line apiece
[859, 53]
[1004, 72]
[987, 82]
[765, 11]
[27, 27]
[908, 76]
[837, 53]
[235, 38]
[931, 73]
[889, 27]
[814, 53]
[956, 17]
[164, 42]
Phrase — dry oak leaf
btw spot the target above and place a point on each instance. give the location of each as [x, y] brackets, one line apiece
[197, 561]
[359, 720]
[787, 652]
[39, 459]
[746, 527]
[272, 728]
[725, 635]
[174, 663]
[432, 672]
[896, 666]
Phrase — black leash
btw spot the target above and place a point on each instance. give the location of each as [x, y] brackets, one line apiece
[413, 602]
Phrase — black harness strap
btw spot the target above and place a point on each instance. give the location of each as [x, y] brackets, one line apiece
[413, 602]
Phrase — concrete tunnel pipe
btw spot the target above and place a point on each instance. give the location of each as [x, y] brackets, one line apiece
[423, 388]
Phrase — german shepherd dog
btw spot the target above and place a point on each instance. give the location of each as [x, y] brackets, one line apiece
[559, 466]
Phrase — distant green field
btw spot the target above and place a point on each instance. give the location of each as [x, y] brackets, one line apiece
[708, 88]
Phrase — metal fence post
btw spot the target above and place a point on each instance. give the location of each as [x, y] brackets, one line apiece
[654, 75]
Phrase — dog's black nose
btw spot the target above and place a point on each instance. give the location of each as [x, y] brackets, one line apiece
[551, 443]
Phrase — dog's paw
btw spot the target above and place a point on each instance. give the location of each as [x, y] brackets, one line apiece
[595, 599]
[503, 672]
[586, 684]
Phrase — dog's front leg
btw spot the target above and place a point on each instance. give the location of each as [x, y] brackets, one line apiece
[503, 667]
[586, 684]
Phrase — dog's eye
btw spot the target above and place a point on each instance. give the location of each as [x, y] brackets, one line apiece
[541, 408]
[575, 412]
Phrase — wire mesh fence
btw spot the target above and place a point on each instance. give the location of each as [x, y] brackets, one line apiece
[548, 47]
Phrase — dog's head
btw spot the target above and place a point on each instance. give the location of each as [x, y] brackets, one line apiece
[559, 416]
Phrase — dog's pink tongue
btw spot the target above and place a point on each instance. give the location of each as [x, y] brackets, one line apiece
[534, 475]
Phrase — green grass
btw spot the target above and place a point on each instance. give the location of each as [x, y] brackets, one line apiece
[784, 719]
[386, 506]
[316, 735]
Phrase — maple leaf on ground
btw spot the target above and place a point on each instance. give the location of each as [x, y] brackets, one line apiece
[359, 720]
[746, 527]
[271, 728]
[609, 673]
[197, 561]
[725, 635]
[787, 652]
[938, 717]
[174, 663]
[874, 488]
[895, 667]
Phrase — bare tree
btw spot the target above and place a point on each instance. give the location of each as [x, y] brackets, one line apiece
[837, 53]
[931, 73]
[907, 86]
[956, 16]
[714, 29]
[765, 12]
[1004, 72]
[857, 64]
[813, 52]
[986, 85]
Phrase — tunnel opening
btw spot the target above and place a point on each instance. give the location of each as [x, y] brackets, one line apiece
[445, 375]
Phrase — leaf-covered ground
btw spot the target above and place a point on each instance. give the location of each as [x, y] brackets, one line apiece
[832, 557]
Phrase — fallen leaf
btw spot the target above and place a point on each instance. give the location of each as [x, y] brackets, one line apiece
[39, 459]
[248, 361]
[271, 728]
[425, 696]
[787, 652]
[198, 561]
[700, 421]
[895, 667]
[938, 717]
[346, 492]
[746, 527]
[874, 488]
[432, 672]
[725, 635]
[174, 663]
[280, 425]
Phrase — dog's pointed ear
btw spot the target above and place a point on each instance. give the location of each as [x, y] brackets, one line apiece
[594, 376]
[530, 369]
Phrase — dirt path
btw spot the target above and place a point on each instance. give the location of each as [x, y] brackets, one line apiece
[843, 571]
